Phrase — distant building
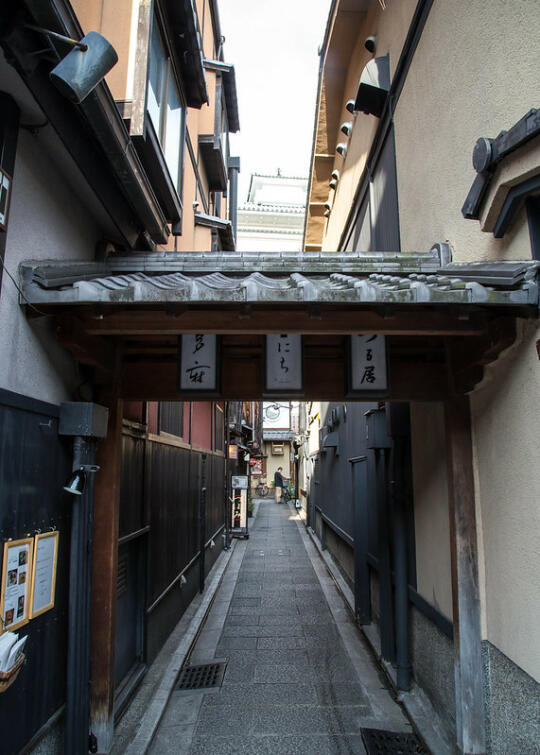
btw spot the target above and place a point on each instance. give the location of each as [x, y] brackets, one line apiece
[273, 216]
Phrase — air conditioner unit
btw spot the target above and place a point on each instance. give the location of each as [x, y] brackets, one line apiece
[277, 450]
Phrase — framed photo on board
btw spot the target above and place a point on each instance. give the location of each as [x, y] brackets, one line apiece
[16, 583]
[44, 573]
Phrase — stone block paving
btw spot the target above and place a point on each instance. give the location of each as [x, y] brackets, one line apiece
[292, 684]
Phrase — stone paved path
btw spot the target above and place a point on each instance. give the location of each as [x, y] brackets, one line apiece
[299, 678]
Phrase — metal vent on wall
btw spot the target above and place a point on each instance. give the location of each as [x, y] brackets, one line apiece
[202, 677]
[380, 742]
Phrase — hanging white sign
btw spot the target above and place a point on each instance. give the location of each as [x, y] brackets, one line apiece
[198, 363]
[368, 370]
[283, 363]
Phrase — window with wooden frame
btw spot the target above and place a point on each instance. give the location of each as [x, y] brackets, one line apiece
[171, 418]
[165, 105]
[157, 114]
[218, 428]
[376, 221]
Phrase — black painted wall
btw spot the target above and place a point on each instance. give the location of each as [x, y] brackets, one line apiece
[34, 466]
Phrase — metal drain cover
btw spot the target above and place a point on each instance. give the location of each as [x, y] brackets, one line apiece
[202, 677]
[379, 742]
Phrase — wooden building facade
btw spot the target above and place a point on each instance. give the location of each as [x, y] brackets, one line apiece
[421, 135]
[141, 163]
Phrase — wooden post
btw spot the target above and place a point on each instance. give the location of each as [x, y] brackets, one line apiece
[104, 575]
[470, 712]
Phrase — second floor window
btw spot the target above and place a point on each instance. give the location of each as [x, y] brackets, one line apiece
[165, 105]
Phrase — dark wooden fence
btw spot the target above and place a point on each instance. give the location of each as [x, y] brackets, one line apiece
[34, 466]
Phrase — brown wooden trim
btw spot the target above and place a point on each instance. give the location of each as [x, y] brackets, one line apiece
[243, 380]
[104, 573]
[470, 712]
[252, 320]
[140, 80]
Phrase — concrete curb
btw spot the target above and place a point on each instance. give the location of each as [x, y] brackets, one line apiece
[151, 718]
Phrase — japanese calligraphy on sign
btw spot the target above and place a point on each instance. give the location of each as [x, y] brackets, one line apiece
[368, 364]
[283, 363]
[198, 363]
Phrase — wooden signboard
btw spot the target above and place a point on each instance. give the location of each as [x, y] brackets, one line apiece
[16, 583]
[44, 573]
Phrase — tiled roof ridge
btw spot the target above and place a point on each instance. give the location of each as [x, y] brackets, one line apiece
[275, 207]
[275, 175]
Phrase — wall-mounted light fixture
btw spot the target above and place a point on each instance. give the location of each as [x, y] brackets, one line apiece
[341, 149]
[84, 67]
[350, 106]
[346, 128]
[335, 175]
[370, 43]
[373, 87]
[333, 184]
[77, 482]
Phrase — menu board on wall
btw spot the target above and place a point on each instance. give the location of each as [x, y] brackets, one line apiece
[44, 573]
[16, 583]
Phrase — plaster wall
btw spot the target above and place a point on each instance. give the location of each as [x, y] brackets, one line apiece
[431, 519]
[390, 27]
[273, 462]
[463, 65]
[505, 426]
[47, 220]
[117, 21]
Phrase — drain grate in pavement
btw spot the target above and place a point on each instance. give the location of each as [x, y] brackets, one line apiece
[202, 677]
[379, 742]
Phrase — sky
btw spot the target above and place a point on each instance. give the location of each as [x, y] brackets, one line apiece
[273, 45]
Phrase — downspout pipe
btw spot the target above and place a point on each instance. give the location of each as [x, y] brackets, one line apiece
[202, 524]
[398, 429]
[86, 423]
[234, 170]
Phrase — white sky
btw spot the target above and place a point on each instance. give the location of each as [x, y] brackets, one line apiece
[273, 45]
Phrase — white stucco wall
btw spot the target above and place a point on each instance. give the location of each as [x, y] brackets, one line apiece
[505, 426]
[431, 522]
[46, 221]
[474, 74]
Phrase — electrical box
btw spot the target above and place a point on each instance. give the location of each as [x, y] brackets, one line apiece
[83, 418]
[376, 435]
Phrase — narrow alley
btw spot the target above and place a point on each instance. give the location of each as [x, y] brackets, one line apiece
[298, 679]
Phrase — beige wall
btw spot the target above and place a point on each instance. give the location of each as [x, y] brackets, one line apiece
[344, 62]
[117, 21]
[468, 78]
[505, 422]
[273, 462]
[431, 521]
[390, 27]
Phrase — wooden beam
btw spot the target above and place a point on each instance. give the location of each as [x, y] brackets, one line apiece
[104, 573]
[284, 320]
[242, 379]
[468, 669]
[91, 350]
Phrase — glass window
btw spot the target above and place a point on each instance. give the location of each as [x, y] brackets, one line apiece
[165, 106]
[156, 79]
[173, 130]
[218, 428]
[171, 418]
